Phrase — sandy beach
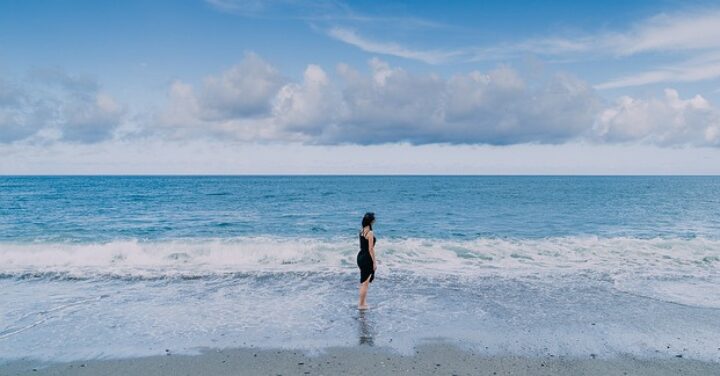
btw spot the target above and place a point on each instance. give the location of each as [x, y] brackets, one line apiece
[429, 359]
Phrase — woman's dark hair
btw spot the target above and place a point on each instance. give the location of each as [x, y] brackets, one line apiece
[368, 219]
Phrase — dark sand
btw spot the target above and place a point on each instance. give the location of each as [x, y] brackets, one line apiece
[430, 359]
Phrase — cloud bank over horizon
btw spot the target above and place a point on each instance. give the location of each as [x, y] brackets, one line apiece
[253, 101]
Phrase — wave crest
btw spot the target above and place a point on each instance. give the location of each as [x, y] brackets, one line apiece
[192, 258]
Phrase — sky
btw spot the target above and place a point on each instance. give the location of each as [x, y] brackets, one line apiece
[371, 87]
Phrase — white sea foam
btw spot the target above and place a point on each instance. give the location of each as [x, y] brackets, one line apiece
[681, 270]
[568, 295]
[480, 256]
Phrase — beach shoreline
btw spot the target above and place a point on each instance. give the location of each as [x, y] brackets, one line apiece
[438, 358]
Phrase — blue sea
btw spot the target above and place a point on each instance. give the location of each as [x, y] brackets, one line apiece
[122, 266]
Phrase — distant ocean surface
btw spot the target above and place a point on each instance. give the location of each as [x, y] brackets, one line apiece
[112, 266]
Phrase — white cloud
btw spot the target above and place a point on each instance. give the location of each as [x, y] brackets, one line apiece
[663, 33]
[389, 104]
[184, 117]
[72, 83]
[682, 36]
[385, 105]
[690, 38]
[692, 35]
[53, 105]
[317, 11]
[390, 48]
[90, 120]
[664, 121]
[501, 108]
[243, 90]
[704, 67]
[677, 32]
[236, 103]
[182, 110]
[20, 115]
[309, 107]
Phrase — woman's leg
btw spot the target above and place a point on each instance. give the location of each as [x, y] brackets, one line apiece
[363, 293]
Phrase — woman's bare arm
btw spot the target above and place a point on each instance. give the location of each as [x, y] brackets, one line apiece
[371, 247]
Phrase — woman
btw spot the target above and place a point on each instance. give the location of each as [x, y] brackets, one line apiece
[366, 257]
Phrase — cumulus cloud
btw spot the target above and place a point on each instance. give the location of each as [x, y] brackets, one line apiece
[236, 103]
[501, 108]
[253, 102]
[309, 107]
[90, 120]
[182, 110]
[664, 121]
[54, 105]
[20, 115]
[243, 90]
[388, 104]
[72, 83]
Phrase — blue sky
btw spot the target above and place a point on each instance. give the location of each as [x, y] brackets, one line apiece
[112, 87]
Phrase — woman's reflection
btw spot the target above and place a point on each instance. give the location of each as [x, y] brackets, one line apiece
[365, 328]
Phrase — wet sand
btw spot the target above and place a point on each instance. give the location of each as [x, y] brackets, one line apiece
[429, 359]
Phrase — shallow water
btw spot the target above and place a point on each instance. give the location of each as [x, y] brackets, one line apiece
[528, 265]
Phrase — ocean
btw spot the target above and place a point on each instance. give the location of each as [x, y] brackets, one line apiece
[116, 266]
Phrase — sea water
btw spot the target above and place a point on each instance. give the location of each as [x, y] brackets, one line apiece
[116, 266]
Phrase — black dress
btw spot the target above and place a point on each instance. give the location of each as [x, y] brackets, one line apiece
[364, 260]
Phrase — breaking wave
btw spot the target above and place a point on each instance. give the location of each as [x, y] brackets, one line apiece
[198, 258]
